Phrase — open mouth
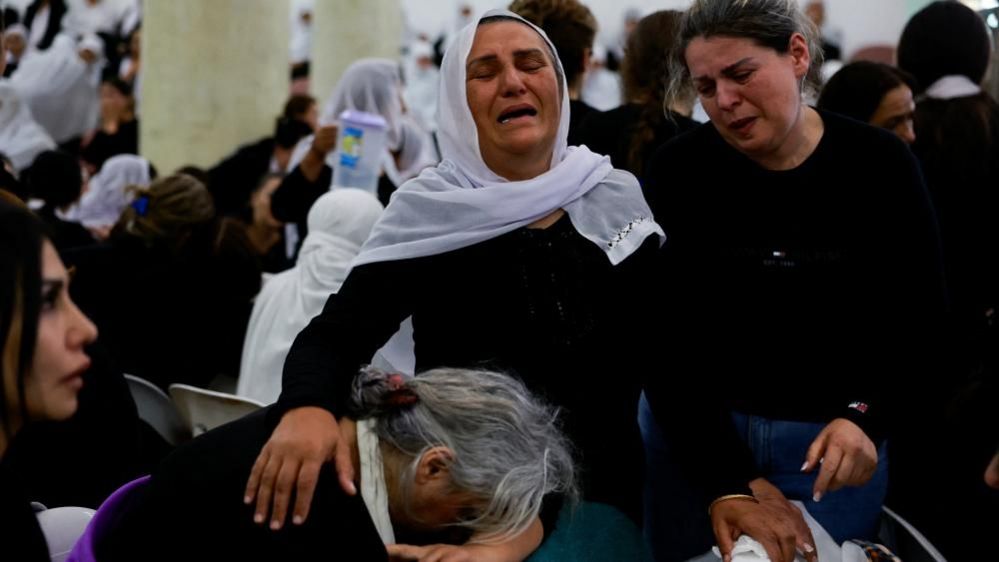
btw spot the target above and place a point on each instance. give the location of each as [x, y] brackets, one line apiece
[517, 112]
[742, 124]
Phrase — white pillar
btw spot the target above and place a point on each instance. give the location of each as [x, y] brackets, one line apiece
[347, 30]
[215, 75]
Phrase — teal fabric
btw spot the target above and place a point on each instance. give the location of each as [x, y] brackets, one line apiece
[593, 532]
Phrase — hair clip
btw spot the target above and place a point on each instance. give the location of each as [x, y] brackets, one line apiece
[141, 205]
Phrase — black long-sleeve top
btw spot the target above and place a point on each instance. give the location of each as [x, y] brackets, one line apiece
[792, 294]
[544, 305]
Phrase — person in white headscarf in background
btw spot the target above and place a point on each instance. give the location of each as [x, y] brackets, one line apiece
[339, 223]
[61, 86]
[108, 193]
[369, 85]
[21, 138]
[15, 47]
[517, 251]
[300, 42]
[601, 87]
[97, 16]
[422, 82]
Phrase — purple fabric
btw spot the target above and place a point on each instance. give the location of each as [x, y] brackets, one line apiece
[83, 551]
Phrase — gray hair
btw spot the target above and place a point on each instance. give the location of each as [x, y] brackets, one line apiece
[768, 23]
[508, 449]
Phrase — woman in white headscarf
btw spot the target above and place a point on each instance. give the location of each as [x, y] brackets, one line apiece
[61, 86]
[108, 192]
[517, 252]
[21, 138]
[339, 223]
[372, 86]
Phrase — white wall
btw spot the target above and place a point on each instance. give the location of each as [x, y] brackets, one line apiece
[862, 22]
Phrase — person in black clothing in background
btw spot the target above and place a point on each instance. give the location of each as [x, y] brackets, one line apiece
[946, 46]
[804, 288]
[56, 178]
[42, 340]
[172, 288]
[571, 27]
[234, 179]
[119, 130]
[873, 93]
[632, 132]
[481, 253]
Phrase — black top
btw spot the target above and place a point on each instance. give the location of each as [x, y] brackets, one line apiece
[22, 537]
[578, 111]
[104, 145]
[611, 133]
[57, 10]
[233, 180]
[169, 317]
[64, 234]
[292, 200]
[792, 294]
[104, 442]
[192, 509]
[957, 142]
[545, 305]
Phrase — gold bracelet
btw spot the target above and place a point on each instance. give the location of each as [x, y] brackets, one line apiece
[731, 497]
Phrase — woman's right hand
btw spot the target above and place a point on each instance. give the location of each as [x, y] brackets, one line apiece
[303, 441]
[774, 522]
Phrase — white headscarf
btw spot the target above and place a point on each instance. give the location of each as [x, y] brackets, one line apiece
[61, 89]
[370, 85]
[106, 195]
[300, 43]
[339, 222]
[462, 202]
[21, 138]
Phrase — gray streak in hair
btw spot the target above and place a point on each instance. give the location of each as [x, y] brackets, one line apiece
[508, 448]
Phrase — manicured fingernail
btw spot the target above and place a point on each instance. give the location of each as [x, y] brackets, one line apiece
[807, 548]
[804, 467]
[247, 499]
[822, 460]
[258, 518]
[275, 525]
[817, 497]
[297, 520]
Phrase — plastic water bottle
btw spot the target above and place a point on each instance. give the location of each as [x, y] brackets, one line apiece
[360, 150]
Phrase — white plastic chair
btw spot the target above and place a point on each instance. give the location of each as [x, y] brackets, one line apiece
[156, 409]
[62, 527]
[204, 410]
[906, 541]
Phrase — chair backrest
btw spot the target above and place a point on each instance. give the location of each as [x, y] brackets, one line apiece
[156, 409]
[203, 409]
[905, 540]
[86, 548]
[63, 527]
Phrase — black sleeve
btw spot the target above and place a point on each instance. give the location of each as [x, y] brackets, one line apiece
[710, 452]
[901, 332]
[296, 194]
[355, 322]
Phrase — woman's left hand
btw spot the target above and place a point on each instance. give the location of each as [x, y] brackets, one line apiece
[445, 553]
[848, 457]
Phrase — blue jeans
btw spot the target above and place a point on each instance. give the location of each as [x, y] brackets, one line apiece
[779, 448]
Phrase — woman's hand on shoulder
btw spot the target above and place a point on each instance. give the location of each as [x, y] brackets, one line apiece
[304, 440]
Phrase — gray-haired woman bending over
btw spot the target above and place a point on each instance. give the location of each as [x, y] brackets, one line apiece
[454, 456]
